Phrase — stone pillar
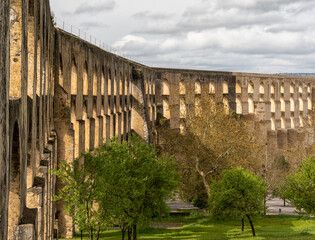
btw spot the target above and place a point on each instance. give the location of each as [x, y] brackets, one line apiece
[138, 124]
[267, 97]
[278, 105]
[25, 232]
[287, 114]
[244, 92]
[65, 139]
[24, 107]
[296, 105]
[4, 114]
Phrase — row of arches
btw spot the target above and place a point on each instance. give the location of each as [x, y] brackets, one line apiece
[98, 127]
[262, 86]
[239, 108]
[150, 87]
[293, 123]
[238, 88]
[197, 87]
[109, 83]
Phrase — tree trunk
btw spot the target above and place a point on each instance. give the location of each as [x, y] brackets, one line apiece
[284, 202]
[123, 232]
[129, 233]
[242, 224]
[134, 231]
[251, 225]
[81, 234]
[91, 233]
[203, 176]
[98, 232]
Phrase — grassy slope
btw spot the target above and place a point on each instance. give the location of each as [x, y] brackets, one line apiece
[201, 227]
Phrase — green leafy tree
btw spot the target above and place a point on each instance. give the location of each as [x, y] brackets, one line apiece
[301, 187]
[117, 183]
[240, 194]
[135, 183]
[81, 192]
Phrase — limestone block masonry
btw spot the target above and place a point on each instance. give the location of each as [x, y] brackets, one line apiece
[60, 96]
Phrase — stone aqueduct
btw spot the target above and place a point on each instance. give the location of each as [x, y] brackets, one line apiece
[60, 96]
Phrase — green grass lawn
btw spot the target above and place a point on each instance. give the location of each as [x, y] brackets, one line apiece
[202, 227]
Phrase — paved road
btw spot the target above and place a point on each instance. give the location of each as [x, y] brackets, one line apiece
[275, 206]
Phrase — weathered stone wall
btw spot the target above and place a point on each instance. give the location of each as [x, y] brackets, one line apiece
[29, 142]
[280, 104]
[62, 96]
[4, 115]
[98, 95]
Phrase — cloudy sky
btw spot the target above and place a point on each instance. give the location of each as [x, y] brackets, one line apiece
[265, 36]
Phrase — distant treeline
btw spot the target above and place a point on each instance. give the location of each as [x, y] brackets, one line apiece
[297, 74]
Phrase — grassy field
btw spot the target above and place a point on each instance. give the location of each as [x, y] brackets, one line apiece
[202, 227]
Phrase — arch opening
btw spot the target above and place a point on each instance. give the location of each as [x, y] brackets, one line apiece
[301, 121]
[309, 103]
[126, 85]
[292, 106]
[291, 88]
[182, 87]
[272, 88]
[211, 88]
[238, 88]
[109, 83]
[282, 104]
[261, 88]
[301, 104]
[197, 87]
[273, 123]
[250, 88]
[225, 88]
[238, 106]
[251, 107]
[85, 80]
[166, 108]
[103, 83]
[14, 208]
[165, 87]
[272, 105]
[282, 88]
[120, 84]
[60, 72]
[74, 78]
[95, 82]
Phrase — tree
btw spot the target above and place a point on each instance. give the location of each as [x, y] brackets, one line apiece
[135, 183]
[301, 187]
[239, 193]
[213, 140]
[81, 192]
[117, 183]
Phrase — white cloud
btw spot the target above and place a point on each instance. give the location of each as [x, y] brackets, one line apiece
[91, 8]
[238, 35]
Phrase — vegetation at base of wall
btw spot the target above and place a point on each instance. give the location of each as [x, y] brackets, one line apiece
[198, 226]
[212, 140]
[124, 184]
